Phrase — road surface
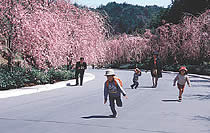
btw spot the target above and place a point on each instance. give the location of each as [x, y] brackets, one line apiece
[76, 109]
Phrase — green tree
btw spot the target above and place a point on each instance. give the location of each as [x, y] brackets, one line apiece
[127, 18]
[182, 8]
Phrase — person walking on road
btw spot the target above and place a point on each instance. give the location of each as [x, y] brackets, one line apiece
[136, 75]
[155, 65]
[113, 89]
[181, 79]
[80, 70]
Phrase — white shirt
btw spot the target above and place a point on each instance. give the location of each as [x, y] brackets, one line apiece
[182, 79]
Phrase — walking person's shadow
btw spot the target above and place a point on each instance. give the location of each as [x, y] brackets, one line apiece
[149, 87]
[170, 100]
[97, 117]
[142, 87]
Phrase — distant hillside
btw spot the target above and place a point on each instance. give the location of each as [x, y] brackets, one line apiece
[127, 18]
[181, 8]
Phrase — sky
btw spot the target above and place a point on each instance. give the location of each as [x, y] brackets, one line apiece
[96, 3]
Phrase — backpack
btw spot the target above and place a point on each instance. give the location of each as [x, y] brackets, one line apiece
[116, 79]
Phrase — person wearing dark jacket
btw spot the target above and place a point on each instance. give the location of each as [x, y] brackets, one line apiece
[80, 70]
[155, 65]
[136, 75]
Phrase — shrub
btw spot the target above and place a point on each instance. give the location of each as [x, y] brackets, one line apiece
[20, 77]
[11, 79]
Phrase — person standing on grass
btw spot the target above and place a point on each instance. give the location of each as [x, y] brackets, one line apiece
[181, 79]
[113, 89]
[80, 70]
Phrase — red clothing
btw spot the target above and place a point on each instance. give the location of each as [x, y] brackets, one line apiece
[155, 60]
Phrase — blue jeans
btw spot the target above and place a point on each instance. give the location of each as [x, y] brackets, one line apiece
[112, 104]
[135, 84]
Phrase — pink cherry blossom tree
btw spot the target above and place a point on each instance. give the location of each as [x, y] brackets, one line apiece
[124, 48]
[48, 33]
[187, 41]
[8, 25]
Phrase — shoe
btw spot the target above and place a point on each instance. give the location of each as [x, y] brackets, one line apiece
[131, 87]
[76, 84]
[180, 99]
[113, 116]
[155, 86]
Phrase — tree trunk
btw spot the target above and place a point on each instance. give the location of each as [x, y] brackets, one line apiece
[9, 54]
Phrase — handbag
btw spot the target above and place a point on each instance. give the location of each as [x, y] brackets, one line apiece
[154, 72]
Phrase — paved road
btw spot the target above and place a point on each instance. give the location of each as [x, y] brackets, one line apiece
[76, 109]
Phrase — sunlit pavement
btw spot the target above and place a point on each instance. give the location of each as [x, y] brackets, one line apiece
[79, 109]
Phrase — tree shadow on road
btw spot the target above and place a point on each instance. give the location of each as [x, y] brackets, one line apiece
[97, 117]
[202, 97]
[201, 86]
[208, 81]
[202, 118]
[200, 83]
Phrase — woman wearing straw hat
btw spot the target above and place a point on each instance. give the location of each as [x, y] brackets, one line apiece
[113, 88]
[181, 79]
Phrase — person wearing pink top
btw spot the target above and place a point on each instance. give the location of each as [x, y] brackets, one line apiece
[181, 80]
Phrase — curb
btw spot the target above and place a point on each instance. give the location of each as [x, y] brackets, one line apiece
[42, 88]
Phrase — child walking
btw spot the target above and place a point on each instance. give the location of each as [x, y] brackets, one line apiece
[113, 89]
[136, 75]
[181, 79]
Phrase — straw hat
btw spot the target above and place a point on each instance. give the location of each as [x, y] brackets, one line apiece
[109, 72]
